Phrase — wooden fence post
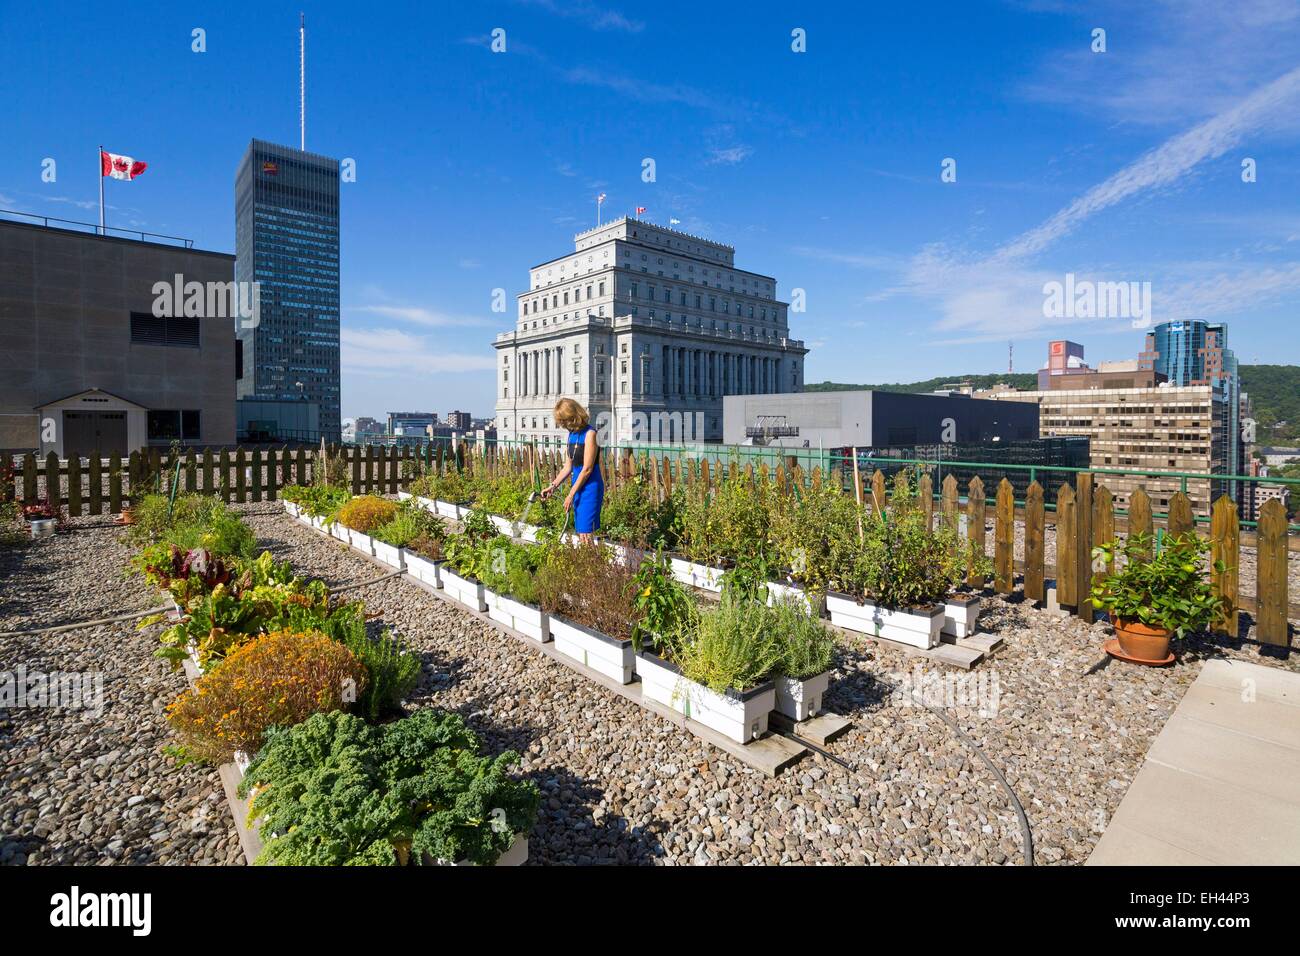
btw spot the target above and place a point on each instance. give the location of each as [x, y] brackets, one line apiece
[1271, 590]
[975, 534]
[355, 455]
[1067, 582]
[241, 484]
[114, 483]
[1004, 539]
[191, 474]
[74, 487]
[29, 478]
[1083, 483]
[1180, 514]
[257, 474]
[1225, 546]
[925, 489]
[133, 478]
[223, 477]
[1139, 517]
[1035, 549]
[1103, 519]
[208, 487]
[96, 484]
[53, 486]
[948, 503]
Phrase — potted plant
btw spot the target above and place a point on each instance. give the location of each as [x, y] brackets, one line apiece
[716, 667]
[43, 517]
[896, 584]
[804, 671]
[466, 560]
[1157, 595]
[510, 580]
[412, 539]
[588, 602]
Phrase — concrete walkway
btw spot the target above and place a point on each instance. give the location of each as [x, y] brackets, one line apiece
[1221, 783]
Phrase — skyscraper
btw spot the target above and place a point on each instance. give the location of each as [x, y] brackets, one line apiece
[1195, 352]
[287, 239]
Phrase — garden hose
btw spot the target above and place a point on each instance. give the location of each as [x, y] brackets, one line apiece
[176, 484]
[93, 623]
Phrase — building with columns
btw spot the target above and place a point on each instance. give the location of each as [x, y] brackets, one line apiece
[649, 328]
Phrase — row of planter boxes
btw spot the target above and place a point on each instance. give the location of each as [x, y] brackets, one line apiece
[914, 626]
[740, 716]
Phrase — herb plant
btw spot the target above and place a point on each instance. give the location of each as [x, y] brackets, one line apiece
[1167, 590]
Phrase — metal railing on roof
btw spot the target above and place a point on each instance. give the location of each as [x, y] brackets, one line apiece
[111, 231]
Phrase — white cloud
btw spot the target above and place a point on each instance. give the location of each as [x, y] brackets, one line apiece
[392, 350]
[729, 156]
[590, 14]
[419, 316]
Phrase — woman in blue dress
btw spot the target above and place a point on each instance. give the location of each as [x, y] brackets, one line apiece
[582, 468]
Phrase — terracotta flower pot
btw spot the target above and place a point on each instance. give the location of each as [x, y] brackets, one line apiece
[1144, 643]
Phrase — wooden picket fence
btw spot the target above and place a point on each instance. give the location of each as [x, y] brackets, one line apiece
[1084, 513]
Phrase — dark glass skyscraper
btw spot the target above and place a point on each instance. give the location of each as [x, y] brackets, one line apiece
[287, 239]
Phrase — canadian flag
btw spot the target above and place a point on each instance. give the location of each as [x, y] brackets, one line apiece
[640, 209]
[119, 167]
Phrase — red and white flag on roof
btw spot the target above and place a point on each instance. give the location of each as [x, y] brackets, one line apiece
[640, 209]
[120, 167]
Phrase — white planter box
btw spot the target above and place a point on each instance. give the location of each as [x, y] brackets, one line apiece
[625, 554]
[503, 525]
[403, 495]
[525, 618]
[317, 523]
[918, 627]
[697, 575]
[340, 531]
[363, 543]
[422, 569]
[391, 555]
[465, 590]
[602, 653]
[801, 699]
[739, 715]
[960, 615]
[812, 604]
[529, 532]
[447, 509]
[517, 855]
[290, 507]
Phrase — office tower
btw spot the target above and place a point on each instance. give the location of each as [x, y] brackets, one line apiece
[287, 239]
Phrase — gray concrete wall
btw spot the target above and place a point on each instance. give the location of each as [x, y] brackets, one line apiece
[66, 299]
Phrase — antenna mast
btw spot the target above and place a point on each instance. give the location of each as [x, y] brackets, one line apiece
[302, 81]
[1011, 352]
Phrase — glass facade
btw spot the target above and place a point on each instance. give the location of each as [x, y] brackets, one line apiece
[1194, 352]
[287, 239]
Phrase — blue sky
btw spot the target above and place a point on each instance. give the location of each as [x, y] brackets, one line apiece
[821, 168]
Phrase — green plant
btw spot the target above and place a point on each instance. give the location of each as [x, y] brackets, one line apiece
[661, 603]
[366, 512]
[195, 522]
[714, 526]
[807, 645]
[904, 561]
[1163, 588]
[746, 579]
[391, 670]
[630, 515]
[410, 523]
[814, 531]
[583, 585]
[510, 568]
[322, 501]
[275, 681]
[728, 647]
[336, 791]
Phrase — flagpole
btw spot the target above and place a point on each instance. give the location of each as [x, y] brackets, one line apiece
[100, 157]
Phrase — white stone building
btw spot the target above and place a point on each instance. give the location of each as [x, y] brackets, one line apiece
[648, 328]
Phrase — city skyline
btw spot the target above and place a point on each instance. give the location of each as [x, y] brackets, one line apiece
[824, 165]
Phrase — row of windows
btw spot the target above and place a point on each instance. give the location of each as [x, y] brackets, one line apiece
[173, 424]
[172, 332]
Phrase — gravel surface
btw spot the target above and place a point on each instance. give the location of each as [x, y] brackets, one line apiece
[77, 788]
[620, 785]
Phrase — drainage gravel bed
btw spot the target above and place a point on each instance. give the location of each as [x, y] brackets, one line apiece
[619, 785]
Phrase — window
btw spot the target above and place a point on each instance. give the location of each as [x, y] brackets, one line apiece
[169, 424]
[602, 288]
[175, 332]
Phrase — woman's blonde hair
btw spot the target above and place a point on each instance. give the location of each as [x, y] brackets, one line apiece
[570, 415]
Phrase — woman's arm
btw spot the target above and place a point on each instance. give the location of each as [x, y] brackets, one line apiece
[589, 455]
